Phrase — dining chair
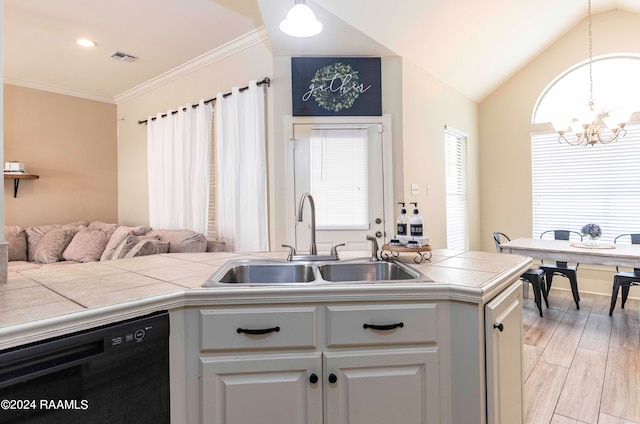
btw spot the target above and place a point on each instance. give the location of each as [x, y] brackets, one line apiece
[562, 268]
[534, 276]
[624, 279]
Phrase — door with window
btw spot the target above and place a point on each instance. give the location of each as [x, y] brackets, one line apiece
[341, 166]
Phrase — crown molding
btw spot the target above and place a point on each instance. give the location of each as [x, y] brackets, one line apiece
[56, 89]
[234, 46]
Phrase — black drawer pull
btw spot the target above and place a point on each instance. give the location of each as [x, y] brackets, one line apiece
[500, 327]
[383, 327]
[333, 378]
[259, 331]
[313, 379]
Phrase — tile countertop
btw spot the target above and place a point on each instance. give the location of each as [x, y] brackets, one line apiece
[62, 298]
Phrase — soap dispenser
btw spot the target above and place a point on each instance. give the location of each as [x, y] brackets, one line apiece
[416, 222]
[402, 221]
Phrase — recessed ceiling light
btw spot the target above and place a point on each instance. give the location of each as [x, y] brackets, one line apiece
[86, 43]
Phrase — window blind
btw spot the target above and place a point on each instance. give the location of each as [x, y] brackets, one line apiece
[577, 185]
[456, 190]
[339, 178]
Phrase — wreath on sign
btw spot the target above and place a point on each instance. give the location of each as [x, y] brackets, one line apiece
[337, 93]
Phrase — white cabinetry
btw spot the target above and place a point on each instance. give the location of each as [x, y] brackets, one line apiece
[503, 327]
[399, 387]
[345, 362]
[326, 364]
[369, 384]
[486, 363]
[261, 389]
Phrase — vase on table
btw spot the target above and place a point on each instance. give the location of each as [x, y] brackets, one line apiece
[591, 234]
[591, 241]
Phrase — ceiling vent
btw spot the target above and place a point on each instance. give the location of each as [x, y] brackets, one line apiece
[123, 57]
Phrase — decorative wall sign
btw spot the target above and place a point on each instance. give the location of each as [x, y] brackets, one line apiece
[337, 86]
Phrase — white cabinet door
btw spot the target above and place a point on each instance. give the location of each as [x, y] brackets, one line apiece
[503, 330]
[395, 387]
[264, 389]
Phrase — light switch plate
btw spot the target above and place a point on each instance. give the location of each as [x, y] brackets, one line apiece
[415, 189]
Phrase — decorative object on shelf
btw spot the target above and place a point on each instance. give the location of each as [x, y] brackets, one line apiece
[14, 167]
[16, 171]
[395, 250]
[591, 233]
[339, 86]
[301, 21]
[587, 127]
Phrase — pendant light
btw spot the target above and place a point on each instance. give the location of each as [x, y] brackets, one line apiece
[301, 21]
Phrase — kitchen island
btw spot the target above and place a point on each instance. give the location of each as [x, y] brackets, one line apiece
[450, 326]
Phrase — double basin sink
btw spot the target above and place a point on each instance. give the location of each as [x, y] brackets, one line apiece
[275, 272]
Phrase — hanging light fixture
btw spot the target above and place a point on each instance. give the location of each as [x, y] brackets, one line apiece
[301, 21]
[586, 127]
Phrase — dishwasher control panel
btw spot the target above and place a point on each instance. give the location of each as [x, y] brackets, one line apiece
[129, 334]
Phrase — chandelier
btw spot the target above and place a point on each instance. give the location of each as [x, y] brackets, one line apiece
[587, 126]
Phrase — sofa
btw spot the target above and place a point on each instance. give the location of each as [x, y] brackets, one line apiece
[85, 241]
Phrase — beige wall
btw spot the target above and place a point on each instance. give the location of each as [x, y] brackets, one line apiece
[71, 143]
[505, 125]
[427, 106]
[417, 135]
[281, 91]
[253, 63]
[505, 121]
[420, 106]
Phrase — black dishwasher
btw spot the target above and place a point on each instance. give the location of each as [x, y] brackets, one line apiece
[117, 373]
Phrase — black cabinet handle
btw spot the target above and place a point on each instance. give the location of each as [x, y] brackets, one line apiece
[258, 331]
[332, 378]
[383, 327]
[500, 327]
[313, 379]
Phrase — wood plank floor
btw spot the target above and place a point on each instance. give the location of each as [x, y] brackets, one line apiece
[581, 366]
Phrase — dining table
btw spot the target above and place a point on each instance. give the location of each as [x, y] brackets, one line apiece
[608, 254]
[624, 255]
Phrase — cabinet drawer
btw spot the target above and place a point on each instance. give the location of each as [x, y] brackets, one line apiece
[236, 329]
[383, 324]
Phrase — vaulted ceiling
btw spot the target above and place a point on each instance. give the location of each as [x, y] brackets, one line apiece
[472, 46]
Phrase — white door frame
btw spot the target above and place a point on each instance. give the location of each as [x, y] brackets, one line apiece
[387, 165]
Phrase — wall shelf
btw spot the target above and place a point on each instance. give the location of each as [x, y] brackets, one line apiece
[16, 180]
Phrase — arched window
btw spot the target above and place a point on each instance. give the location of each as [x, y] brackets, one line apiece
[616, 85]
[577, 185]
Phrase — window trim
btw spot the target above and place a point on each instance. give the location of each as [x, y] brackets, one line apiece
[462, 140]
[387, 164]
[549, 88]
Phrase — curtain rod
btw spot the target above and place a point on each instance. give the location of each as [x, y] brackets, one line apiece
[266, 80]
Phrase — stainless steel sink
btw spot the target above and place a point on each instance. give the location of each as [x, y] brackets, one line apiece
[278, 272]
[366, 272]
[262, 273]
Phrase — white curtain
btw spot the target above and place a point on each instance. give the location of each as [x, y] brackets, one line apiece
[242, 169]
[178, 156]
